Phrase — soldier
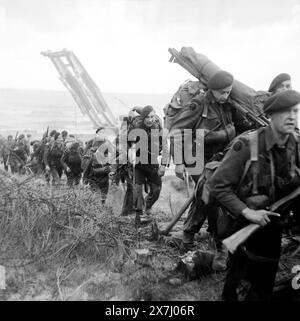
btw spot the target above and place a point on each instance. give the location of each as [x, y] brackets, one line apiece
[245, 191]
[148, 174]
[214, 114]
[3, 152]
[121, 170]
[280, 83]
[52, 158]
[64, 135]
[37, 158]
[96, 167]
[71, 161]
[18, 154]
[6, 151]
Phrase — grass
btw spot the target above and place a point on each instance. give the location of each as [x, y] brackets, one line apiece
[63, 244]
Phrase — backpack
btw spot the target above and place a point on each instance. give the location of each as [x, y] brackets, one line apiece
[185, 93]
[56, 150]
[226, 224]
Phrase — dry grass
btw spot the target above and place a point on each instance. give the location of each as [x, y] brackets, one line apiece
[63, 244]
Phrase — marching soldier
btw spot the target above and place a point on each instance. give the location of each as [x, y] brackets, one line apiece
[214, 114]
[71, 162]
[52, 158]
[96, 166]
[148, 173]
[246, 191]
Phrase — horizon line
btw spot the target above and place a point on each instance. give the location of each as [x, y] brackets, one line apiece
[104, 92]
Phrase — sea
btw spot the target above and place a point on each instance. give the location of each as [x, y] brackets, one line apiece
[32, 111]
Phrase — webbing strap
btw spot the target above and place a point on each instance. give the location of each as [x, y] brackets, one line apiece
[272, 167]
[254, 160]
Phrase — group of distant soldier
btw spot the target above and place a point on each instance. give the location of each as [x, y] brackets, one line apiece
[255, 166]
[55, 155]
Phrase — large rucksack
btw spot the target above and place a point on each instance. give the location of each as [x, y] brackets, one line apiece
[185, 93]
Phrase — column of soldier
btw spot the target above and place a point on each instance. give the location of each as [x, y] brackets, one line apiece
[241, 189]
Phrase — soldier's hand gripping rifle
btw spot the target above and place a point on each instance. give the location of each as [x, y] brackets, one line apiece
[236, 239]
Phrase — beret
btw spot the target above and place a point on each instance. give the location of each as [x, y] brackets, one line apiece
[281, 101]
[220, 80]
[98, 129]
[146, 111]
[278, 80]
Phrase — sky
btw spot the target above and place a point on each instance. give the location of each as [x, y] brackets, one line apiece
[123, 44]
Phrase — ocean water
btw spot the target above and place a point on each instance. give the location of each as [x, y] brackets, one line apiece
[31, 111]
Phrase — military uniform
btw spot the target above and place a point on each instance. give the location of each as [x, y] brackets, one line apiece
[4, 152]
[18, 155]
[205, 113]
[37, 158]
[123, 173]
[147, 174]
[71, 159]
[96, 170]
[52, 158]
[274, 175]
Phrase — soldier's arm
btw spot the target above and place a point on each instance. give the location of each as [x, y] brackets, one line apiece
[225, 180]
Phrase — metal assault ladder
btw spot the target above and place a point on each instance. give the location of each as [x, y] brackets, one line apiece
[82, 88]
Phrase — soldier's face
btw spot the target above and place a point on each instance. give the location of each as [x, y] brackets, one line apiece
[221, 95]
[285, 122]
[285, 85]
[101, 134]
[150, 119]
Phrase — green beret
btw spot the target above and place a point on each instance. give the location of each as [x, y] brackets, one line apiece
[220, 80]
[278, 80]
[281, 101]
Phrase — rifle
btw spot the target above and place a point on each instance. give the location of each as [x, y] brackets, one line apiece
[45, 135]
[260, 120]
[236, 239]
[137, 220]
[184, 207]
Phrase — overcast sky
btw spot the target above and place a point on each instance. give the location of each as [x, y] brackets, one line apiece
[124, 44]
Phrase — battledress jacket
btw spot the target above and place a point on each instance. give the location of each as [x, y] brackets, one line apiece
[225, 181]
[203, 112]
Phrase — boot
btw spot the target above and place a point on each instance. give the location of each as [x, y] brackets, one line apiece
[220, 259]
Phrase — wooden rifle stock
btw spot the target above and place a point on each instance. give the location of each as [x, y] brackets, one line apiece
[236, 239]
[178, 215]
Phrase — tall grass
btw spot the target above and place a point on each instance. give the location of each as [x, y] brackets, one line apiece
[40, 222]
